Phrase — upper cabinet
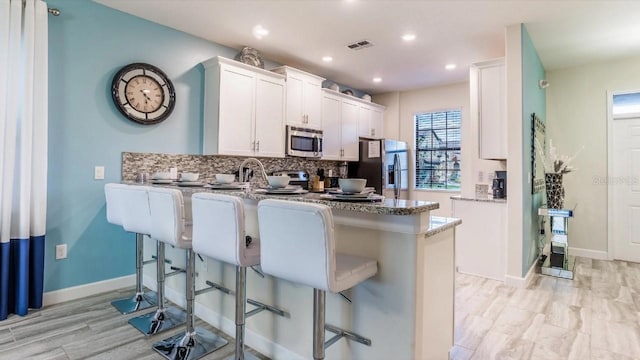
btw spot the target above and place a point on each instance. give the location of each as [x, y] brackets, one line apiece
[243, 110]
[340, 126]
[370, 120]
[304, 98]
[488, 94]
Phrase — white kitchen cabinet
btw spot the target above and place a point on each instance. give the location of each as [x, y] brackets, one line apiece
[370, 120]
[490, 98]
[303, 98]
[481, 238]
[340, 127]
[243, 110]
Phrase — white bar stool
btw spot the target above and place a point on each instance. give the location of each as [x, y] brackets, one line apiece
[168, 226]
[298, 244]
[219, 233]
[140, 225]
[136, 206]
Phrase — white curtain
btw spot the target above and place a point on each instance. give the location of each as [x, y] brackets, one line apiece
[23, 153]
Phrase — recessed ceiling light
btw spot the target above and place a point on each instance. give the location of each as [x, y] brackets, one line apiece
[327, 59]
[377, 79]
[408, 37]
[450, 66]
[259, 32]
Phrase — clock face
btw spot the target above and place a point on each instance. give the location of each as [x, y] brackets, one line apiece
[143, 93]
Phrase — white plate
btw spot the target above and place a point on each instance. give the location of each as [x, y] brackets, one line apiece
[283, 191]
[190, 183]
[225, 186]
[369, 198]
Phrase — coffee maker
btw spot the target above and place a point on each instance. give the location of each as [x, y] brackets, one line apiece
[499, 185]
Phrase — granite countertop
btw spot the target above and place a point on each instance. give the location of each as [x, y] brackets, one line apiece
[439, 224]
[488, 199]
[384, 207]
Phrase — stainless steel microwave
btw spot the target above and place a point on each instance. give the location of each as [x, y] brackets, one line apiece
[304, 142]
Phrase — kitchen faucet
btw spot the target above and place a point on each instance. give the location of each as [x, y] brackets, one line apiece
[254, 160]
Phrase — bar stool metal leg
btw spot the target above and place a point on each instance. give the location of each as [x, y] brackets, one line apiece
[318, 323]
[241, 315]
[140, 300]
[195, 342]
[164, 318]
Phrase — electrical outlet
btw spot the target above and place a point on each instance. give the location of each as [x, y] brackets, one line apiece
[480, 176]
[98, 173]
[61, 251]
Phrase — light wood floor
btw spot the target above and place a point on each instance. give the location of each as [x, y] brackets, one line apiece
[595, 316]
[88, 328]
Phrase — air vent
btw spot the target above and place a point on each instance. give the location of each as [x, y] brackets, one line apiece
[359, 45]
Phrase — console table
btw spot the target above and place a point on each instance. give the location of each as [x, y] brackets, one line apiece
[558, 262]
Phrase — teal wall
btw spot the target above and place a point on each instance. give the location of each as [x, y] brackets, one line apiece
[533, 101]
[88, 44]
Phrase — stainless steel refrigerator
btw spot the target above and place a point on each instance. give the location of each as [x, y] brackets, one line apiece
[385, 165]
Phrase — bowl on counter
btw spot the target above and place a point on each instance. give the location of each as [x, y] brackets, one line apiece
[189, 176]
[225, 178]
[278, 181]
[352, 185]
[162, 175]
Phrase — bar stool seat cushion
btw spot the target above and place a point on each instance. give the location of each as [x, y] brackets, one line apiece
[167, 220]
[350, 270]
[298, 244]
[219, 229]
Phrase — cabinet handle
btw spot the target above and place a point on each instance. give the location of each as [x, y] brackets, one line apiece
[258, 146]
[253, 146]
[373, 131]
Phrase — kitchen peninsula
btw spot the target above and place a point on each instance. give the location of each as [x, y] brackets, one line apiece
[406, 309]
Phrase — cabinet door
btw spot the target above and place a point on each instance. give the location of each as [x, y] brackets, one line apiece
[491, 97]
[364, 119]
[349, 130]
[331, 128]
[481, 238]
[295, 114]
[237, 94]
[312, 103]
[375, 122]
[269, 123]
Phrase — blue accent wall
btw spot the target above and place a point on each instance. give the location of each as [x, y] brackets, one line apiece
[88, 44]
[533, 101]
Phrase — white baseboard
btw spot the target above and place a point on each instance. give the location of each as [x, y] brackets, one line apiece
[80, 291]
[588, 253]
[520, 282]
[228, 326]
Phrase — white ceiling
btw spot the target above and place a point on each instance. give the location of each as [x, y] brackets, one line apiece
[566, 33]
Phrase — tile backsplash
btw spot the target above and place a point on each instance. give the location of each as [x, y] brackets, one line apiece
[209, 165]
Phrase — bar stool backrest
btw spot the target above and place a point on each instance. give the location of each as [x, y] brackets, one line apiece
[135, 205]
[113, 196]
[297, 242]
[167, 217]
[218, 227]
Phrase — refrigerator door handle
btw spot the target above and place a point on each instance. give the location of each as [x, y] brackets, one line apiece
[397, 176]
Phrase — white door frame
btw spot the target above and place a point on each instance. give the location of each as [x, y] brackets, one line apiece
[610, 94]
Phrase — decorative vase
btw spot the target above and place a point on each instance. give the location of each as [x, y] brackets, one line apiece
[555, 191]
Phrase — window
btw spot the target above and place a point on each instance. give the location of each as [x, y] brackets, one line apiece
[626, 105]
[438, 150]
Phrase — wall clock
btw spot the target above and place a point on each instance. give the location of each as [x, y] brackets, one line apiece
[143, 93]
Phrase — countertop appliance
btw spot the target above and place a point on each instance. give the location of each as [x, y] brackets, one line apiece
[299, 177]
[303, 142]
[385, 165]
[499, 185]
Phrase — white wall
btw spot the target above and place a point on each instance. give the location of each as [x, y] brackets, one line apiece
[402, 106]
[577, 116]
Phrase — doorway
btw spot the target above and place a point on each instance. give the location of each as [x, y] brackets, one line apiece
[624, 176]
